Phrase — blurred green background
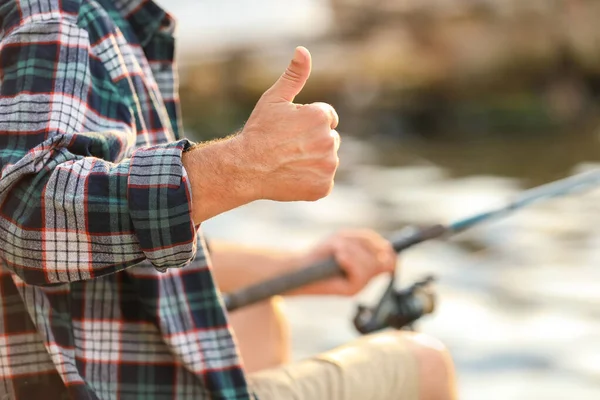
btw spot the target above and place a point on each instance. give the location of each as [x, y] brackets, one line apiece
[446, 107]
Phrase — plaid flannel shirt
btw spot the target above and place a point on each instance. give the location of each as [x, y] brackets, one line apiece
[95, 213]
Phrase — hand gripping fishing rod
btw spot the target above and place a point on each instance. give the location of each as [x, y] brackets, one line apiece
[398, 308]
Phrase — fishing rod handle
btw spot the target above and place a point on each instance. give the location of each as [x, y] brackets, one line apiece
[329, 268]
[282, 284]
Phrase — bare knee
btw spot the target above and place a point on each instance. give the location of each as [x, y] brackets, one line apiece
[262, 334]
[436, 369]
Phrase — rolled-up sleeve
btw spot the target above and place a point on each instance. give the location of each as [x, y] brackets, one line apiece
[77, 203]
[159, 198]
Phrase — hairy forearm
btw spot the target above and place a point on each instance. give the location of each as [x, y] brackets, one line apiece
[236, 266]
[219, 178]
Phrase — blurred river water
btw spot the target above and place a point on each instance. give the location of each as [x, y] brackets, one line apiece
[519, 298]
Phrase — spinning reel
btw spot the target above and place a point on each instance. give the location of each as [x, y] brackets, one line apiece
[398, 309]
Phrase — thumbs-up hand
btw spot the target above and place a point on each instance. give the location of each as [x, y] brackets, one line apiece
[290, 150]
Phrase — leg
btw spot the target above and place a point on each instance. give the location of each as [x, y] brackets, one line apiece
[436, 369]
[262, 334]
[385, 366]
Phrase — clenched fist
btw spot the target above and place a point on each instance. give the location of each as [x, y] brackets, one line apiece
[286, 152]
[291, 149]
[362, 254]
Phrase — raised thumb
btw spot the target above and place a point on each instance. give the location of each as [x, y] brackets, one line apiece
[291, 82]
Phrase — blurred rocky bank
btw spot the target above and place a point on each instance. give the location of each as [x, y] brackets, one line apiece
[417, 68]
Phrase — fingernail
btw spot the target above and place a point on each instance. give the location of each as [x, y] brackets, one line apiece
[298, 54]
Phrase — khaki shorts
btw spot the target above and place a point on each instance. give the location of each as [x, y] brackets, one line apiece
[374, 367]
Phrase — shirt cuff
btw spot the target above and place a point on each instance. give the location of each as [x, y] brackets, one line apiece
[160, 198]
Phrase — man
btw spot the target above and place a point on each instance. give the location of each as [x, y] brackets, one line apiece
[101, 201]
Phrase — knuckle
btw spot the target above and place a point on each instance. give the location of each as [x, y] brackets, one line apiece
[335, 135]
[328, 170]
[332, 165]
[319, 115]
[326, 143]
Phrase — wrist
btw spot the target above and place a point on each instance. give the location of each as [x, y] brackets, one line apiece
[218, 178]
[242, 164]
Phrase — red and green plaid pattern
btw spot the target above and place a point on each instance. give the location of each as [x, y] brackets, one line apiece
[105, 290]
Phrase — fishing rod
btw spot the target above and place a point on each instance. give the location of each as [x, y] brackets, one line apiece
[400, 308]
